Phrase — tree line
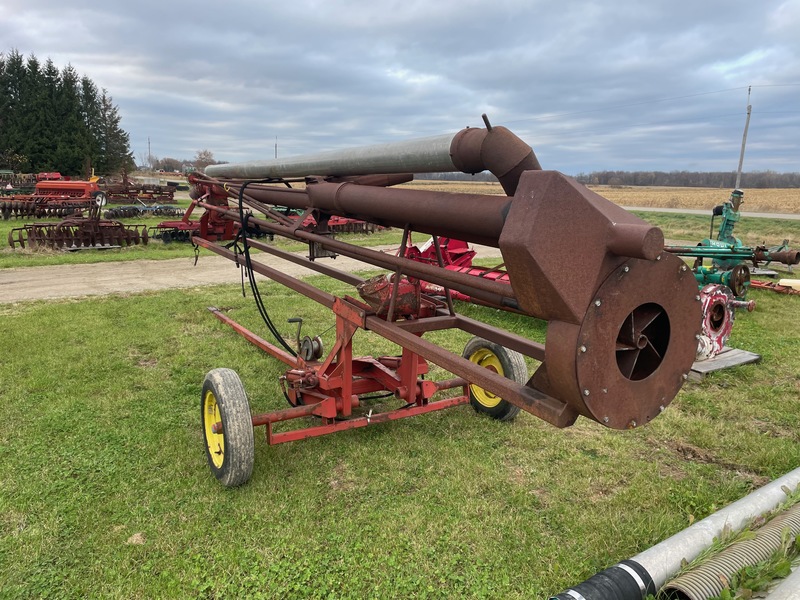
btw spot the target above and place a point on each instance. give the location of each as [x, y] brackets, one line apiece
[201, 160]
[56, 120]
[719, 179]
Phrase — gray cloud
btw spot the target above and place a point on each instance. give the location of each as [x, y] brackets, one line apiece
[590, 85]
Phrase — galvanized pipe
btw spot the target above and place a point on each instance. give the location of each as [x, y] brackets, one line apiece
[648, 571]
[787, 589]
[470, 150]
[425, 155]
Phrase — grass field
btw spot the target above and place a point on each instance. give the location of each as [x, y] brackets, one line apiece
[756, 200]
[104, 490]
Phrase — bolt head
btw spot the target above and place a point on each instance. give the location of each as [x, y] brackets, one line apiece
[658, 257]
[626, 269]
[683, 268]
[597, 303]
[583, 348]
[606, 419]
[585, 392]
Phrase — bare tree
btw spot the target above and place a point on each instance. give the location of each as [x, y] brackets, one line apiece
[203, 158]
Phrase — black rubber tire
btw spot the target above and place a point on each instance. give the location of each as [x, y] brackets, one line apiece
[231, 453]
[506, 362]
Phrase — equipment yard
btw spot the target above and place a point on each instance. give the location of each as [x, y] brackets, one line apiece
[348, 301]
[106, 486]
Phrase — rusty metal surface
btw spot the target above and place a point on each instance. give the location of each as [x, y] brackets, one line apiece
[78, 233]
[471, 217]
[556, 240]
[322, 268]
[628, 358]
[493, 292]
[494, 149]
[379, 291]
[528, 398]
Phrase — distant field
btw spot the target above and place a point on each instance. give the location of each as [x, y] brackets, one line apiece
[764, 200]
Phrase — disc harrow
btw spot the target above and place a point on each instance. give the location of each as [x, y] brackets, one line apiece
[132, 212]
[78, 233]
[42, 208]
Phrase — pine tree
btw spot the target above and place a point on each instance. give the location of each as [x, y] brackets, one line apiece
[53, 120]
[115, 143]
[5, 101]
[71, 139]
[12, 135]
[90, 113]
[38, 119]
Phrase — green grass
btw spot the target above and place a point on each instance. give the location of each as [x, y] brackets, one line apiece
[105, 493]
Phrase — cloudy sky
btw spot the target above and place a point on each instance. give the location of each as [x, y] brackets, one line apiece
[629, 84]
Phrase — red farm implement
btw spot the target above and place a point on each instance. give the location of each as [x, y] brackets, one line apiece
[78, 232]
[213, 226]
[127, 192]
[210, 226]
[50, 198]
[622, 315]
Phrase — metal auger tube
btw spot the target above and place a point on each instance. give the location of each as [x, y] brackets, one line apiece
[470, 150]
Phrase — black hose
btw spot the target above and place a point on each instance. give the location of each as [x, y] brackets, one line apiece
[626, 581]
[262, 309]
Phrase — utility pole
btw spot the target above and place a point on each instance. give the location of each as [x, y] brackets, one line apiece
[276, 146]
[149, 154]
[744, 140]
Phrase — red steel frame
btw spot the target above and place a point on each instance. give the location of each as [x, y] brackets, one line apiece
[333, 385]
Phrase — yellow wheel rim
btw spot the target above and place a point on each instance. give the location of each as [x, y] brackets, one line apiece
[487, 359]
[214, 441]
